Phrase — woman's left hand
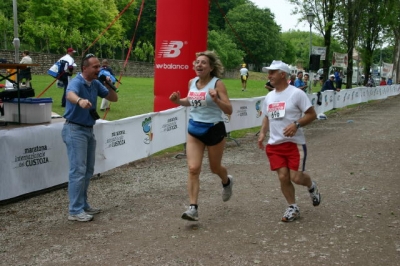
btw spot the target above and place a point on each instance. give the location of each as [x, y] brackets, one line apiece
[214, 95]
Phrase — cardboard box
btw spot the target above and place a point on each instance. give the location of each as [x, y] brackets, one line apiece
[32, 110]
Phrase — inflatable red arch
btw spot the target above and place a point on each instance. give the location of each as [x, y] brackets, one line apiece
[181, 32]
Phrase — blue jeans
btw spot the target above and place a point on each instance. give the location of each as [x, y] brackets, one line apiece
[63, 99]
[81, 148]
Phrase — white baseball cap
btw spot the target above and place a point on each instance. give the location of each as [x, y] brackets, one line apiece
[332, 76]
[277, 65]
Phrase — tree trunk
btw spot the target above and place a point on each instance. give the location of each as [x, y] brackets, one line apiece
[396, 57]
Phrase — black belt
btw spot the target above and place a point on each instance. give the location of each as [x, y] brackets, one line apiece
[70, 122]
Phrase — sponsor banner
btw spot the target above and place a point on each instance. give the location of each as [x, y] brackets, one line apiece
[319, 51]
[347, 97]
[35, 157]
[246, 113]
[387, 70]
[123, 141]
[31, 158]
[340, 60]
[169, 128]
[180, 33]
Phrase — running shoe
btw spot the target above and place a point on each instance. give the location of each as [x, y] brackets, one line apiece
[227, 191]
[81, 217]
[191, 214]
[292, 213]
[92, 211]
[315, 195]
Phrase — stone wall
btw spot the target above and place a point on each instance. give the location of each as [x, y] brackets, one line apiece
[132, 69]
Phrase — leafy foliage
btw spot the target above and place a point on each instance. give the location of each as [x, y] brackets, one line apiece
[227, 50]
[255, 31]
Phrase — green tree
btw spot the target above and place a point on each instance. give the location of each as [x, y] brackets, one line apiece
[6, 29]
[349, 15]
[146, 30]
[129, 21]
[144, 52]
[52, 25]
[218, 9]
[373, 24]
[299, 40]
[393, 17]
[325, 13]
[227, 50]
[255, 31]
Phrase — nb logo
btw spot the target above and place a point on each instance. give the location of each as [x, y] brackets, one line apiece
[170, 49]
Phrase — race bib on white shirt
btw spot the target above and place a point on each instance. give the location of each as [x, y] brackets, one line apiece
[276, 110]
[197, 98]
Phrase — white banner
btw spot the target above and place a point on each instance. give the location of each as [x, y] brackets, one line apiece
[387, 70]
[340, 60]
[35, 158]
[319, 51]
[246, 113]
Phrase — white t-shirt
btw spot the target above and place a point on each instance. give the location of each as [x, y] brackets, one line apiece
[282, 109]
[69, 59]
[244, 71]
[71, 62]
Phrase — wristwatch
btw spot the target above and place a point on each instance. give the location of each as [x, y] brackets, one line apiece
[297, 124]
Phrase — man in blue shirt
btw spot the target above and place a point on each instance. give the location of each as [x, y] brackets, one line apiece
[299, 83]
[77, 134]
[328, 85]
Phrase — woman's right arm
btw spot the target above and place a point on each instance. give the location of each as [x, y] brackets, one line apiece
[176, 97]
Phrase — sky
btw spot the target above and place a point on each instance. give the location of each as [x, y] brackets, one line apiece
[282, 10]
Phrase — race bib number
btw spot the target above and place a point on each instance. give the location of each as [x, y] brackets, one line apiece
[197, 98]
[276, 110]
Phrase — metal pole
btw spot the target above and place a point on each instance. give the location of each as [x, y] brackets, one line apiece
[311, 76]
[16, 56]
[16, 39]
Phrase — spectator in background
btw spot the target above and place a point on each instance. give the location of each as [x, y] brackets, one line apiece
[389, 82]
[25, 75]
[68, 70]
[383, 82]
[106, 71]
[370, 82]
[244, 75]
[299, 83]
[338, 79]
[321, 80]
[269, 86]
[78, 135]
[26, 58]
[307, 82]
[292, 79]
[329, 85]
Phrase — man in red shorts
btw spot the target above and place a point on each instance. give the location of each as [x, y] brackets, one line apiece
[286, 110]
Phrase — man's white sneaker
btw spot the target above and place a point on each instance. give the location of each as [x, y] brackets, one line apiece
[292, 213]
[92, 211]
[81, 217]
[315, 195]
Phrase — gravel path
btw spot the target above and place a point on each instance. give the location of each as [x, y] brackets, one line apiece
[353, 156]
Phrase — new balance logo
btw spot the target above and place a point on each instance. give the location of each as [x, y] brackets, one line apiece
[170, 49]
